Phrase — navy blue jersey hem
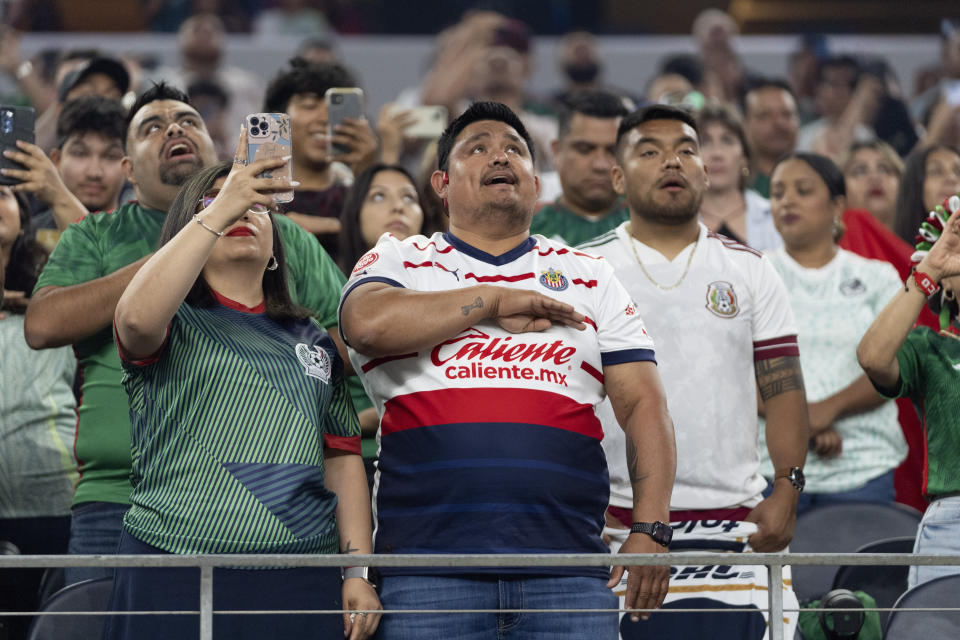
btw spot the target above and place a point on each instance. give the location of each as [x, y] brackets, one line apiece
[521, 249]
[627, 355]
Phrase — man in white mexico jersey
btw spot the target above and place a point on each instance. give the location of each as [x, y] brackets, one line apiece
[485, 351]
[724, 328]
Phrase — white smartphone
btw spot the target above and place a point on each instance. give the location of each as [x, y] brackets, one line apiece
[430, 122]
[342, 103]
[951, 93]
[268, 136]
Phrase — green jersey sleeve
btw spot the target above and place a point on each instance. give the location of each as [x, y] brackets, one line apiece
[77, 258]
[341, 419]
[315, 280]
[910, 384]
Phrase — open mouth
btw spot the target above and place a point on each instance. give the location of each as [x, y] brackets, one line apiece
[178, 150]
[673, 184]
[500, 177]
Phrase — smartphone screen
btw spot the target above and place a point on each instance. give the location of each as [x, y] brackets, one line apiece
[268, 136]
[342, 103]
[16, 123]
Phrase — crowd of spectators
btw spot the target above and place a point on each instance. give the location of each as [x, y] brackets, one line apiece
[830, 170]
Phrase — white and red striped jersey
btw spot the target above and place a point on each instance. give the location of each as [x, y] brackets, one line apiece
[489, 441]
[730, 311]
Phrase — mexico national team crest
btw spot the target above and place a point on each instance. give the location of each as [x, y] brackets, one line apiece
[554, 280]
[721, 299]
[316, 361]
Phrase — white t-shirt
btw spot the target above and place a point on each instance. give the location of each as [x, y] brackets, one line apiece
[730, 310]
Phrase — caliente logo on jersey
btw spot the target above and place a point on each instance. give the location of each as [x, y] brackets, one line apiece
[721, 299]
[315, 361]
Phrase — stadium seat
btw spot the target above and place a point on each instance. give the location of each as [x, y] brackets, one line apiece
[885, 583]
[843, 528]
[941, 592]
[89, 595]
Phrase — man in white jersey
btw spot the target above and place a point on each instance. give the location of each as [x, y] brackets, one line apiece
[724, 329]
[485, 351]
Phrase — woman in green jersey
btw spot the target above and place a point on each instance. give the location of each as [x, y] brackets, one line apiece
[244, 439]
[924, 365]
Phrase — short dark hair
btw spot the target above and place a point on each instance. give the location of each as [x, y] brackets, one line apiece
[351, 243]
[303, 77]
[840, 62]
[910, 208]
[683, 64]
[828, 171]
[90, 114]
[276, 293]
[654, 112]
[595, 103]
[758, 83]
[476, 112]
[27, 256]
[726, 116]
[159, 91]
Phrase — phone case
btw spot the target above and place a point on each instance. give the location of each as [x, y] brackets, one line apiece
[16, 123]
[268, 136]
[430, 123]
[342, 103]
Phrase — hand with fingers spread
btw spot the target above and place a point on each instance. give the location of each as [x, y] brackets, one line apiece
[519, 311]
[359, 600]
[646, 585]
[943, 259]
[391, 124]
[358, 137]
[40, 177]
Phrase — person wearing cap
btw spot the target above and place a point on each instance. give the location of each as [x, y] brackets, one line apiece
[924, 365]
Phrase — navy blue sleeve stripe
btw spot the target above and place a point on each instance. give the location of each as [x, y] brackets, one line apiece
[627, 355]
[349, 290]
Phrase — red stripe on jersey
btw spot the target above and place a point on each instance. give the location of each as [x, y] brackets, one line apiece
[775, 348]
[350, 444]
[428, 263]
[376, 362]
[730, 243]
[455, 406]
[589, 284]
[560, 252]
[516, 278]
[588, 320]
[592, 371]
[439, 250]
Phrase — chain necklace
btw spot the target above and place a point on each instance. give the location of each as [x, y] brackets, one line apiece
[686, 269]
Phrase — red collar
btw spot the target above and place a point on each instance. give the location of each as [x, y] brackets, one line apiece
[233, 304]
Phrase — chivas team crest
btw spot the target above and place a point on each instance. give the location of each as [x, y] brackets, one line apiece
[554, 280]
[721, 299]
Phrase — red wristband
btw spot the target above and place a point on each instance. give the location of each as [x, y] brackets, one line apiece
[925, 282]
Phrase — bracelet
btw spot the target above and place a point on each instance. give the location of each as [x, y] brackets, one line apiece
[196, 218]
[925, 282]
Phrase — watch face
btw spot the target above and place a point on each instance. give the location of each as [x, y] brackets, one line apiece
[662, 533]
[796, 476]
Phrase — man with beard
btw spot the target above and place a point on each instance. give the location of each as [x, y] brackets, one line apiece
[166, 141]
[485, 350]
[724, 329]
[771, 123]
[583, 155]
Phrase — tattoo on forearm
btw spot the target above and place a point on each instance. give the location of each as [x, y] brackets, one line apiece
[633, 462]
[477, 304]
[348, 549]
[778, 375]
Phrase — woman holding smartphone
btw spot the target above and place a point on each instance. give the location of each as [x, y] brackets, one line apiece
[244, 438]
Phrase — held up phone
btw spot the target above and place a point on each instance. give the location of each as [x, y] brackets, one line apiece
[342, 103]
[951, 93]
[268, 136]
[431, 121]
[16, 123]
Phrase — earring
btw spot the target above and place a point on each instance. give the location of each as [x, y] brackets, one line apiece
[273, 264]
[745, 172]
[836, 225]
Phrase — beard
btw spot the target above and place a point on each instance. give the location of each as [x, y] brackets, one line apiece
[504, 215]
[176, 174]
[677, 210]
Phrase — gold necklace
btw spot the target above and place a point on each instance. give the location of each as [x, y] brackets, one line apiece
[686, 269]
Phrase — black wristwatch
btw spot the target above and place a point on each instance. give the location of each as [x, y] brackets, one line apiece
[795, 476]
[661, 533]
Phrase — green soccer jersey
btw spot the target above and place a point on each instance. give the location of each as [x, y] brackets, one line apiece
[557, 222]
[97, 246]
[229, 422]
[929, 375]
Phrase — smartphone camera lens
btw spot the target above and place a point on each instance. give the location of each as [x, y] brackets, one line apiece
[254, 121]
[337, 99]
[6, 122]
[264, 127]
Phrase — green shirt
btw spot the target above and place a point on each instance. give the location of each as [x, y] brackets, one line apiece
[929, 375]
[97, 246]
[761, 184]
[557, 222]
[229, 423]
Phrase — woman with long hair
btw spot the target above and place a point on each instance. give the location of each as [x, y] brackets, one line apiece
[835, 295]
[37, 419]
[244, 439]
[930, 175]
[871, 174]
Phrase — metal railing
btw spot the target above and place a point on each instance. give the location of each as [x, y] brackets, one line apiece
[206, 563]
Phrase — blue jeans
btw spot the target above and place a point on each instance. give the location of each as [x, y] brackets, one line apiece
[94, 529]
[497, 592]
[880, 489]
[939, 532]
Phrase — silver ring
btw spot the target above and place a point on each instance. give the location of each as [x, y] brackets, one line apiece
[364, 614]
[239, 160]
[258, 209]
[353, 616]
